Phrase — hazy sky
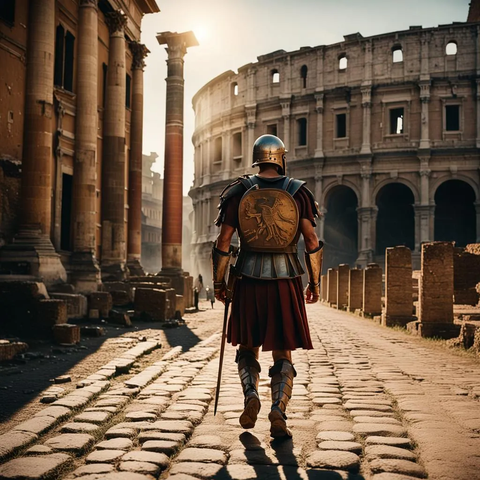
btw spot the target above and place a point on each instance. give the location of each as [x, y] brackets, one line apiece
[233, 33]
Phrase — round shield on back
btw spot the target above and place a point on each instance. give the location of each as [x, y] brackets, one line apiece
[268, 220]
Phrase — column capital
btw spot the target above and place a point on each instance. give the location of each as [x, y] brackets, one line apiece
[139, 52]
[89, 3]
[424, 91]
[177, 43]
[116, 21]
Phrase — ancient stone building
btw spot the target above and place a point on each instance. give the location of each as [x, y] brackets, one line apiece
[71, 108]
[384, 129]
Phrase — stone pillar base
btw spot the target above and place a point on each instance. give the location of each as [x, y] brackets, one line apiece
[135, 268]
[117, 272]
[438, 330]
[177, 278]
[364, 258]
[32, 253]
[84, 272]
[396, 320]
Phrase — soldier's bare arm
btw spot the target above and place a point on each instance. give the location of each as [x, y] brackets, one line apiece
[225, 237]
[313, 260]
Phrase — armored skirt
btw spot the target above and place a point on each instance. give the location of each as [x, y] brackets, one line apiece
[269, 313]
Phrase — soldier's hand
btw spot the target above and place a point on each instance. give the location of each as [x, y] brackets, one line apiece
[220, 291]
[311, 295]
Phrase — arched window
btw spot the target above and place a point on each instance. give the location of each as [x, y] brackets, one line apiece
[451, 48]
[397, 54]
[275, 76]
[235, 89]
[342, 62]
[303, 75]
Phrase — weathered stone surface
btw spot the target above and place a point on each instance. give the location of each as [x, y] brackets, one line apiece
[159, 459]
[202, 455]
[392, 441]
[93, 417]
[254, 456]
[379, 429]
[115, 444]
[162, 446]
[38, 450]
[117, 476]
[335, 436]
[171, 426]
[404, 467]
[207, 441]
[337, 445]
[197, 469]
[334, 459]
[37, 425]
[93, 468]
[104, 456]
[26, 468]
[140, 416]
[80, 427]
[124, 432]
[76, 443]
[392, 476]
[382, 420]
[385, 451]
[140, 467]
[13, 441]
[58, 413]
[157, 435]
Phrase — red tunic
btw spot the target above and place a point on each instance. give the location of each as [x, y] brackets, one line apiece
[269, 313]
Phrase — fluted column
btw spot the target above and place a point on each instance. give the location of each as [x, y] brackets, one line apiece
[172, 223]
[286, 124]
[85, 273]
[134, 245]
[32, 251]
[251, 118]
[319, 110]
[113, 165]
[367, 120]
[425, 99]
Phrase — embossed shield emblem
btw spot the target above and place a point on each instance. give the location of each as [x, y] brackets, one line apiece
[268, 220]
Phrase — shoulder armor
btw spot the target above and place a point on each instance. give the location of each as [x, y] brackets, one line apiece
[237, 187]
[315, 207]
[294, 186]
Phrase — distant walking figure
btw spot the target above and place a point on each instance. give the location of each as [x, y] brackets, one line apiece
[197, 289]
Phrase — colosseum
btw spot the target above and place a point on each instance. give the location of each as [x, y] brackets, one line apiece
[385, 130]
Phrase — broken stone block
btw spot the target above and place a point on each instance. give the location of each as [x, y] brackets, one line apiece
[92, 331]
[372, 290]
[151, 302]
[51, 312]
[342, 286]
[355, 290]
[66, 334]
[332, 287]
[466, 274]
[76, 304]
[8, 350]
[101, 301]
[119, 318]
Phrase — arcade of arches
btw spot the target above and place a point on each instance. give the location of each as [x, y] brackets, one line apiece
[453, 217]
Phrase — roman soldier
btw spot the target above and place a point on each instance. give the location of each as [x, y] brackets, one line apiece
[269, 211]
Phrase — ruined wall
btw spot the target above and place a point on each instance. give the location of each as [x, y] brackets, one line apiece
[466, 268]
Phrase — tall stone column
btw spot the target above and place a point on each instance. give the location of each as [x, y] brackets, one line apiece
[365, 215]
[32, 245]
[113, 165]
[286, 123]
[85, 273]
[425, 99]
[319, 109]
[172, 218]
[134, 245]
[251, 112]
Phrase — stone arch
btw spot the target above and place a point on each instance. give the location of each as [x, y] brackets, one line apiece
[395, 217]
[445, 178]
[404, 181]
[455, 214]
[341, 226]
[328, 188]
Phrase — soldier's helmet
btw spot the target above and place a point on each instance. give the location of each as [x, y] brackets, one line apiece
[269, 149]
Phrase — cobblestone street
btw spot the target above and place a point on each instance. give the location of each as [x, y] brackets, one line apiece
[369, 402]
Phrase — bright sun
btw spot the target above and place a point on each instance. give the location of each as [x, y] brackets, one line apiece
[201, 32]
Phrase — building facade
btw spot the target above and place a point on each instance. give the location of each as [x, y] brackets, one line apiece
[71, 140]
[385, 130]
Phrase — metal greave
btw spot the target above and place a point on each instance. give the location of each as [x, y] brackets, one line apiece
[249, 372]
[282, 374]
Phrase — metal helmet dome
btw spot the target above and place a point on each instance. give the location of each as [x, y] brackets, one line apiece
[269, 149]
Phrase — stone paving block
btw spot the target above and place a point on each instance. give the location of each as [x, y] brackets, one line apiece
[170, 426]
[140, 467]
[116, 432]
[13, 441]
[379, 429]
[335, 436]
[140, 416]
[94, 468]
[403, 467]
[192, 454]
[38, 450]
[115, 444]
[385, 451]
[207, 441]
[334, 459]
[159, 459]
[104, 456]
[93, 417]
[73, 401]
[161, 446]
[194, 417]
[80, 427]
[342, 426]
[354, 447]
[34, 468]
[158, 435]
[58, 413]
[372, 419]
[197, 469]
[392, 476]
[36, 425]
[370, 413]
[112, 401]
[392, 441]
[116, 476]
[257, 456]
[76, 443]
